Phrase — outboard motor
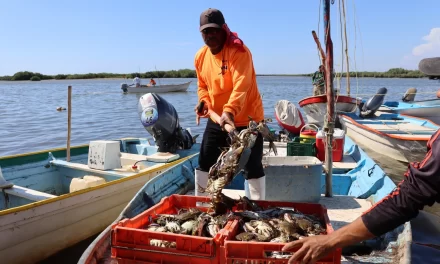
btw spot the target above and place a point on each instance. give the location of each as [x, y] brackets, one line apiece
[373, 104]
[410, 95]
[160, 119]
[124, 87]
[288, 116]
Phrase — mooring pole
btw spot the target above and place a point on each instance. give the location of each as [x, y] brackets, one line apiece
[329, 122]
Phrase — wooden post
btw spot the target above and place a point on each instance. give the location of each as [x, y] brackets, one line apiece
[346, 50]
[321, 52]
[329, 122]
[69, 113]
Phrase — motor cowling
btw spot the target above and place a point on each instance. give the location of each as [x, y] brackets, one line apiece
[373, 104]
[410, 95]
[288, 116]
[161, 120]
[124, 87]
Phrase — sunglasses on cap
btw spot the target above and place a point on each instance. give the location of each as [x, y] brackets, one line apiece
[211, 30]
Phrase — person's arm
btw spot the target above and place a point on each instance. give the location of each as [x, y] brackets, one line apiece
[420, 187]
[314, 248]
[242, 71]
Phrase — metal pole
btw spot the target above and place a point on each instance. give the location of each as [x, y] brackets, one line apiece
[330, 117]
[69, 113]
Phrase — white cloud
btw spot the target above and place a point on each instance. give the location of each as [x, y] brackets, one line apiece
[429, 49]
[433, 45]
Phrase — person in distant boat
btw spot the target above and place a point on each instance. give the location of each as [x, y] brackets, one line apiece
[152, 82]
[227, 85]
[137, 81]
[420, 187]
[318, 81]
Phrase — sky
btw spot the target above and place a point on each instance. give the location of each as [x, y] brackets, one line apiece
[67, 37]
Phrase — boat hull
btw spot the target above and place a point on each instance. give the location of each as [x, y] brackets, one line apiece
[170, 88]
[395, 148]
[315, 107]
[44, 230]
[43, 227]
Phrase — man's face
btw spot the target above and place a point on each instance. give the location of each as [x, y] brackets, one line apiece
[214, 37]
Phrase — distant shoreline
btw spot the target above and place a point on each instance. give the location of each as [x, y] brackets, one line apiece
[188, 73]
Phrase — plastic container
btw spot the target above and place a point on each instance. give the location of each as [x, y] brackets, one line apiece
[87, 181]
[301, 147]
[131, 241]
[338, 145]
[296, 179]
[259, 252]
[308, 133]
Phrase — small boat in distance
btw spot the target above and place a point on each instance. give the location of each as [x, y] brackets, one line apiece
[167, 88]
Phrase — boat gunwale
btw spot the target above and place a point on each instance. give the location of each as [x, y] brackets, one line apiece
[323, 99]
[393, 136]
[79, 192]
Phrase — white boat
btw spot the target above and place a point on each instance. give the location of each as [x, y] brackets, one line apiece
[315, 107]
[399, 137]
[49, 203]
[40, 215]
[167, 88]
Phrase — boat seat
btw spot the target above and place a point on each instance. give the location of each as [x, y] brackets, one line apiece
[347, 163]
[162, 157]
[122, 172]
[29, 194]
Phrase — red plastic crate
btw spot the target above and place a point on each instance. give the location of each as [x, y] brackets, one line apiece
[242, 252]
[130, 241]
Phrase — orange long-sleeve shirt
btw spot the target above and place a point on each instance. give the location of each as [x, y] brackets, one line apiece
[232, 89]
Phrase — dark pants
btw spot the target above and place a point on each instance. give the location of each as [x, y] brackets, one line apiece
[215, 140]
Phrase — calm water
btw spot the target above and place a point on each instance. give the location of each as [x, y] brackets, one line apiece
[29, 120]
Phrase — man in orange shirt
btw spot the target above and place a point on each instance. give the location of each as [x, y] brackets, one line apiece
[228, 86]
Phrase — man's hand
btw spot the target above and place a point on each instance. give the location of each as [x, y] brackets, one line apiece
[226, 118]
[311, 249]
[314, 248]
[203, 113]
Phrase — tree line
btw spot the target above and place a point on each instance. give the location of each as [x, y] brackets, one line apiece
[188, 73]
[36, 76]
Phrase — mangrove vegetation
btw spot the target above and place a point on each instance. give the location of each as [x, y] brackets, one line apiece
[188, 73]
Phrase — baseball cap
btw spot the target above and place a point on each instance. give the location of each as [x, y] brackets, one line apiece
[211, 18]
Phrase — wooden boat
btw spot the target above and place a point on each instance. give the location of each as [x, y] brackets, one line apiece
[399, 137]
[39, 216]
[315, 107]
[167, 88]
[358, 183]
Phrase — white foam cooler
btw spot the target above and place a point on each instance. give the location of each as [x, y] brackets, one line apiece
[292, 179]
[104, 155]
[86, 182]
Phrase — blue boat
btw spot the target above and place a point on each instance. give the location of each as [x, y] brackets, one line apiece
[426, 109]
[358, 182]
